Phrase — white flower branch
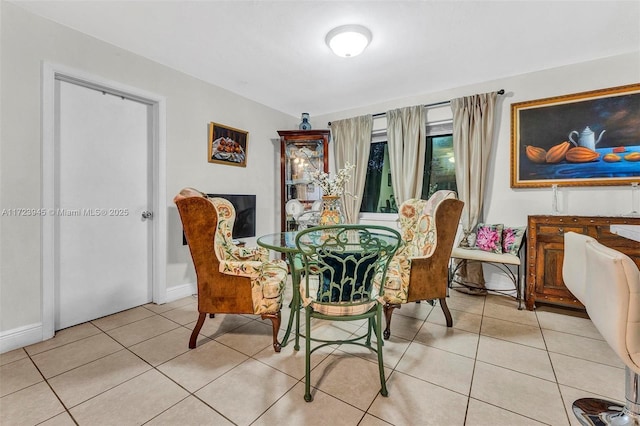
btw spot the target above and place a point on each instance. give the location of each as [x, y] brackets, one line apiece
[333, 186]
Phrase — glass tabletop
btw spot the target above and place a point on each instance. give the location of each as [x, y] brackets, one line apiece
[284, 242]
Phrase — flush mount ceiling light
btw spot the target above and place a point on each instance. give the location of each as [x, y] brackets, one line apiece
[348, 40]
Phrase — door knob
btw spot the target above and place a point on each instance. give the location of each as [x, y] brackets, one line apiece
[147, 214]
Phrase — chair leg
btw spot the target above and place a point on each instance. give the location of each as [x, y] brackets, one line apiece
[373, 326]
[595, 411]
[275, 322]
[388, 311]
[383, 381]
[445, 310]
[307, 357]
[196, 330]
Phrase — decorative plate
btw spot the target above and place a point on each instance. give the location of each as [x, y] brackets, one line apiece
[294, 207]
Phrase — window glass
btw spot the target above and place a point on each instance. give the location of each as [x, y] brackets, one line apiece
[378, 193]
[439, 166]
[438, 174]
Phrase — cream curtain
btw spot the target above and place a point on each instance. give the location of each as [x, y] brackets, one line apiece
[406, 140]
[473, 124]
[352, 142]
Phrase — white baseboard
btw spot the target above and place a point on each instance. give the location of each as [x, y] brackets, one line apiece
[180, 291]
[30, 334]
[20, 337]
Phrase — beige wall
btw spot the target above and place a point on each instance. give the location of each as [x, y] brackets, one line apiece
[26, 41]
[511, 206]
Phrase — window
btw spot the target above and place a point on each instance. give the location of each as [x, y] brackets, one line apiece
[439, 169]
[439, 166]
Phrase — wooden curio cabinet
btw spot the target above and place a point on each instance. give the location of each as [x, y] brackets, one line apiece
[301, 152]
[545, 253]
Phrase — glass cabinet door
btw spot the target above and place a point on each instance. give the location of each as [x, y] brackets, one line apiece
[301, 154]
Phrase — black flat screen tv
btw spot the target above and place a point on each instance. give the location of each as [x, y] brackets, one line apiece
[245, 205]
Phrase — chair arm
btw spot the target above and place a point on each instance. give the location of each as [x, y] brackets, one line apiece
[273, 278]
[412, 258]
[245, 254]
[251, 268]
[422, 261]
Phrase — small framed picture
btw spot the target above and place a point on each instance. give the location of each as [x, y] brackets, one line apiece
[227, 145]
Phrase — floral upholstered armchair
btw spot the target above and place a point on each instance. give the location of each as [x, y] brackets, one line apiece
[231, 279]
[420, 267]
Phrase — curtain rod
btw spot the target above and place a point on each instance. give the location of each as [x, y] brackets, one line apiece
[380, 114]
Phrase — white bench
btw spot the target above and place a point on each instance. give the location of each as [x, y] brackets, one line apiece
[499, 260]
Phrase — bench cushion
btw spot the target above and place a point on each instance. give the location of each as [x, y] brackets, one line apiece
[485, 256]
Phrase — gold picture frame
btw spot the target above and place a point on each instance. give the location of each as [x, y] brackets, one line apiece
[227, 145]
[604, 124]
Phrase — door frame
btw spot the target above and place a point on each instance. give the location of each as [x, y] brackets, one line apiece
[51, 72]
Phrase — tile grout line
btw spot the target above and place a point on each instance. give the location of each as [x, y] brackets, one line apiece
[298, 381]
[553, 369]
[475, 362]
[68, 411]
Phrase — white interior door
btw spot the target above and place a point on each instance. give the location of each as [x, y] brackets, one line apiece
[103, 172]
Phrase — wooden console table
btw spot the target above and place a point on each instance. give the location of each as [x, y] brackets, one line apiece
[545, 253]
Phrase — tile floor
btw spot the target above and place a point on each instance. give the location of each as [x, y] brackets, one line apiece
[496, 366]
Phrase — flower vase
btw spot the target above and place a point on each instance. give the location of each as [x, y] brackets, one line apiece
[331, 210]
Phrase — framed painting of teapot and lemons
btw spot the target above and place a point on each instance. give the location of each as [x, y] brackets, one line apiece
[583, 139]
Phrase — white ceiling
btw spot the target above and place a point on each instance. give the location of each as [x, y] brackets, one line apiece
[274, 52]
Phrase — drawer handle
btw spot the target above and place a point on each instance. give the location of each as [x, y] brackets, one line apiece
[560, 231]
